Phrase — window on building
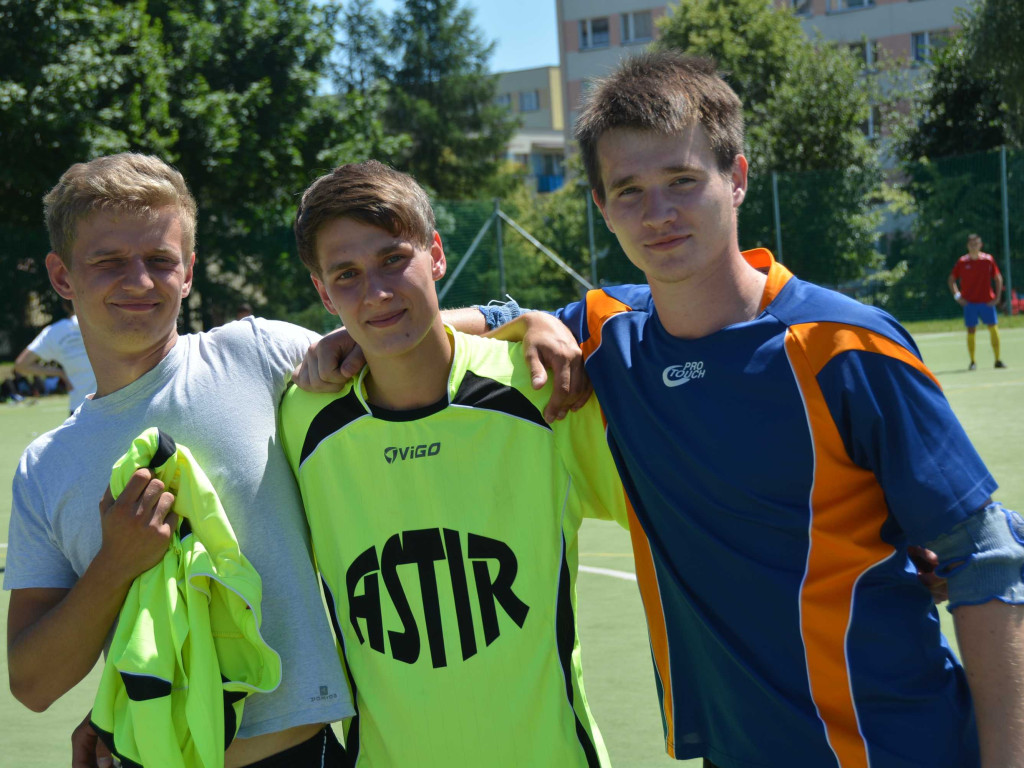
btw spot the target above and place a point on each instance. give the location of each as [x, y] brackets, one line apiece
[548, 170]
[866, 53]
[594, 33]
[503, 99]
[924, 44]
[637, 27]
[801, 7]
[529, 101]
[872, 127]
[547, 165]
[848, 5]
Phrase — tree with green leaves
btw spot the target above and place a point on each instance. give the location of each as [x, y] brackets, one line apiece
[952, 198]
[230, 93]
[956, 108]
[243, 96]
[361, 57]
[962, 112]
[804, 105]
[996, 31]
[443, 96]
[561, 221]
[77, 79]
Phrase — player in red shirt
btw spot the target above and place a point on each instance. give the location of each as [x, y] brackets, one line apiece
[977, 273]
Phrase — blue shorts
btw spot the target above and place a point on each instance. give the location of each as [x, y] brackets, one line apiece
[972, 312]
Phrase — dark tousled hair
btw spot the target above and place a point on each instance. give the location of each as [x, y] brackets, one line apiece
[369, 192]
[663, 91]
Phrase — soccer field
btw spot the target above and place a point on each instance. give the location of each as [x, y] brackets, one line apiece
[616, 658]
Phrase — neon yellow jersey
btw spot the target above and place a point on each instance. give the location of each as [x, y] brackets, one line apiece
[187, 649]
[447, 540]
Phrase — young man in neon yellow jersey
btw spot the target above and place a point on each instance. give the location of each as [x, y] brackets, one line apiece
[456, 615]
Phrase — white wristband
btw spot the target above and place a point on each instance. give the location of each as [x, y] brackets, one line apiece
[956, 296]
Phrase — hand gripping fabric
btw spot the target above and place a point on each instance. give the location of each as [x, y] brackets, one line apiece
[187, 649]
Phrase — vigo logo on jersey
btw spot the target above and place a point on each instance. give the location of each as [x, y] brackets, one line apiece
[393, 453]
[464, 557]
[676, 375]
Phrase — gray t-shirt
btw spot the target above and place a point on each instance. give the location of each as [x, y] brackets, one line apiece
[216, 393]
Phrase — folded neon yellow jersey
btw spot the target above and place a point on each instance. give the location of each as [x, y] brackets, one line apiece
[187, 649]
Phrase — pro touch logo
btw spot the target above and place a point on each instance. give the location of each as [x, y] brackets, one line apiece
[393, 454]
[677, 375]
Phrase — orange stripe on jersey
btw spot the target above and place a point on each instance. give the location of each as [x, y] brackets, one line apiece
[654, 611]
[600, 307]
[826, 340]
[647, 580]
[778, 275]
[848, 509]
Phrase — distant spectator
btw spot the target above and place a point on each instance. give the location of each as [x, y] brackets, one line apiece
[58, 351]
[27, 387]
[244, 310]
[981, 284]
[9, 391]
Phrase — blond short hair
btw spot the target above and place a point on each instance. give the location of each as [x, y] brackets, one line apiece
[129, 183]
[370, 193]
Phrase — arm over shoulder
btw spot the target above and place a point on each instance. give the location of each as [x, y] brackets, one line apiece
[283, 344]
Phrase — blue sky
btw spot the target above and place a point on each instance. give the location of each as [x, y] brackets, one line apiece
[524, 30]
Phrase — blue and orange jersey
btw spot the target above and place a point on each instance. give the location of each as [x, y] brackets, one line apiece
[778, 469]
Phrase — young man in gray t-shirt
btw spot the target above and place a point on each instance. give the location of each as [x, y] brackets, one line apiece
[122, 231]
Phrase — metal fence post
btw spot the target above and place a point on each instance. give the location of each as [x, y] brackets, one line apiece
[545, 250]
[1006, 228]
[778, 218]
[450, 279]
[501, 249]
[590, 234]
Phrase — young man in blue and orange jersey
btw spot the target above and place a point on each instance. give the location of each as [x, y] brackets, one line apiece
[981, 283]
[783, 447]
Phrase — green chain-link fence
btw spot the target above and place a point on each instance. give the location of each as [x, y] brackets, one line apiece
[896, 255]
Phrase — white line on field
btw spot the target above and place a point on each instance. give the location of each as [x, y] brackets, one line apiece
[985, 385]
[625, 575]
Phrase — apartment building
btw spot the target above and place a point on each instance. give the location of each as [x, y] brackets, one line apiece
[535, 97]
[904, 31]
[594, 34]
[907, 29]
